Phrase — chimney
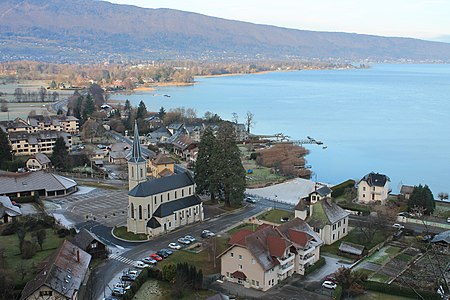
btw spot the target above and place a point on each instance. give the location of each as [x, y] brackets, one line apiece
[78, 255]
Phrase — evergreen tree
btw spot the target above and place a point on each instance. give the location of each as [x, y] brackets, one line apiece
[204, 166]
[127, 106]
[77, 107]
[5, 148]
[89, 107]
[422, 198]
[141, 111]
[229, 175]
[60, 156]
[161, 113]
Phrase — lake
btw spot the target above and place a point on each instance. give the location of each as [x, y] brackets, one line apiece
[391, 118]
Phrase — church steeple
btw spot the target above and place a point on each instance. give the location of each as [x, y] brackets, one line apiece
[137, 165]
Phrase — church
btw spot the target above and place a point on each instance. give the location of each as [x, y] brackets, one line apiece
[161, 205]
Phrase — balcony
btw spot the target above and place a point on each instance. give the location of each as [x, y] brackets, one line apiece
[306, 251]
[285, 268]
[307, 259]
[287, 259]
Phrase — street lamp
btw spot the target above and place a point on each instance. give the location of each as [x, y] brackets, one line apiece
[275, 202]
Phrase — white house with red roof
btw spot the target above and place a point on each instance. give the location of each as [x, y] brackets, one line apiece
[263, 258]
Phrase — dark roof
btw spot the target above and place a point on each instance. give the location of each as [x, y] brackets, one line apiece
[238, 274]
[323, 191]
[301, 205]
[33, 181]
[84, 238]
[351, 248]
[160, 185]
[168, 208]
[406, 189]
[136, 155]
[162, 159]
[375, 179]
[443, 237]
[326, 212]
[64, 273]
[153, 223]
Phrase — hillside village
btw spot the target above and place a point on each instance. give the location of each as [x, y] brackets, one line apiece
[310, 232]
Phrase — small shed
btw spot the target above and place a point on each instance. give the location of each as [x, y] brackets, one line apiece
[351, 248]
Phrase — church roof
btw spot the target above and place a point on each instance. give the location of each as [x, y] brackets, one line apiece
[168, 208]
[161, 185]
[136, 154]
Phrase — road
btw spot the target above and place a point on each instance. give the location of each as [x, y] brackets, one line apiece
[120, 138]
[135, 251]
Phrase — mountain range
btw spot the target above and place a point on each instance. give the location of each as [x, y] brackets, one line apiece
[91, 30]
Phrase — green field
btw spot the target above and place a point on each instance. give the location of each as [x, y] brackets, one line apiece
[275, 215]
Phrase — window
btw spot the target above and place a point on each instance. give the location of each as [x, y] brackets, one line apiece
[161, 198]
[240, 267]
[240, 256]
[168, 196]
[343, 221]
[94, 245]
[343, 230]
[189, 191]
[170, 224]
[155, 200]
[140, 212]
[374, 189]
[132, 210]
[253, 261]
[253, 282]
[182, 193]
[317, 230]
[45, 293]
[148, 211]
[141, 172]
[339, 224]
[175, 194]
[334, 236]
[132, 172]
[228, 274]
[364, 188]
[257, 283]
[175, 216]
[232, 254]
[364, 195]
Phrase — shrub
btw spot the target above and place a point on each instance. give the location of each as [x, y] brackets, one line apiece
[339, 190]
[398, 290]
[28, 250]
[337, 293]
[320, 263]
[25, 199]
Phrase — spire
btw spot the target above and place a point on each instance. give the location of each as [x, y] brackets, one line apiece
[136, 155]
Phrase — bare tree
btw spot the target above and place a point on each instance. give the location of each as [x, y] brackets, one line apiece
[235, 117]
[443, 196]
[249, 121]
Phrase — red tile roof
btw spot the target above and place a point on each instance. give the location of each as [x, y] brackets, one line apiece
[239, 237]
[299, 237]
[277, 245]
[238, 274]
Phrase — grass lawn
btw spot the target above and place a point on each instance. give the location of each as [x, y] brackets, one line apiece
[199, 260]
[159, 290]
[11, 245]
[392, 250]
[404, 257]
[379, 277]
[275, 215]
[371, 295]
[248, 226]
[122, 233]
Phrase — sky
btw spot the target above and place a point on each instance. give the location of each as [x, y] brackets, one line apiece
[424, 19]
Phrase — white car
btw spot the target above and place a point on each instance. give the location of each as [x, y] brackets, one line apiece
[184, 241]
[398, 226]
[329, 284]
[190, 238]
[122, 285]
[141, 265]
[174, 246]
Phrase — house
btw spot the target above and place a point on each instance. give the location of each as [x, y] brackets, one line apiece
[263, 258]
[160, 135]
[61, 277]
[161, 165]
[38, 183]
[406, 191]
[185, 147]
[160, 205]
[442, 241]
[23, 143]
[38, 161]
[8, 211]
[373, 187]
[328, 219]
[90, 243]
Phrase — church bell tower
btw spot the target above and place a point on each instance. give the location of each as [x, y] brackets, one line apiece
[137, 165]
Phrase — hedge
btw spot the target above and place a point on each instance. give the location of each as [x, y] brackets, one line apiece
[337, 294]
[399, 290]
[320, 263]
[339, 190]
[356, 207]
[25, 199]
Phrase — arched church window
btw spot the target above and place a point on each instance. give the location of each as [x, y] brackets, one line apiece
[140, 212]
[132, 210]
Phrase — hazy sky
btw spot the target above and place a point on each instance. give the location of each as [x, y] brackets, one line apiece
[426, 19]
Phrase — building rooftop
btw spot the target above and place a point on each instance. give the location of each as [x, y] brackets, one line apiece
[375, 179]
[33, 181]
[161, 185]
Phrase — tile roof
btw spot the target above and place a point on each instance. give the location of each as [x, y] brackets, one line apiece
[277, 245]
[168, 208]
[238, 274]
[299, 237]
[375, 179]
[160, 185]
[406, 189]
[33, 181]
[443, 237]
[64, 273]
[238, 238]
[351, 248]
[326, 212]
[84, 238]
[162, 159]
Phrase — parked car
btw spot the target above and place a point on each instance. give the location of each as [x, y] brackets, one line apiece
[174, 246]
[284, 220]
[448, 220]
[190, 238]
[184, 241]
[206, 234]
[133, 272]
[329, 284]
[167, 251]
[162, 254]
[141, 265]
[118, 291]
[398, 226]
[123, 285]
[250, 200]
[156, 257]
[149, 260]
[330, 278]
[128, 277]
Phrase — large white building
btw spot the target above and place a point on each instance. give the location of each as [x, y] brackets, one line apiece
[160, 205]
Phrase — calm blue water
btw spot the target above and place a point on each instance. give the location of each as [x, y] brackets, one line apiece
[392, 119]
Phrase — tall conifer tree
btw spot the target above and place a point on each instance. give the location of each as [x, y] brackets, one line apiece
[204, 166]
